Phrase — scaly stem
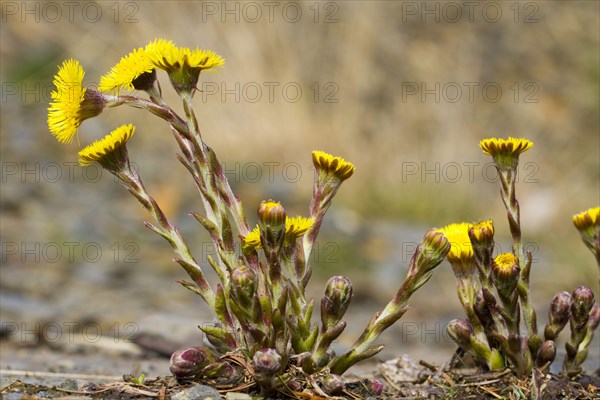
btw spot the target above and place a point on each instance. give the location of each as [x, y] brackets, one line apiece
[508, 193]
[132, 181]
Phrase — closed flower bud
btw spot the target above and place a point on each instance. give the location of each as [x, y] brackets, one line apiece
[431, 251]
[332, 384]
[594, 318]
[546, 353]
[338, 293]
[266, 361]
[558, 315]
[460, 331]
[271, 220]
[376, 386]
[243, 284]
[505, 273]
[583, 301]
[190, 362]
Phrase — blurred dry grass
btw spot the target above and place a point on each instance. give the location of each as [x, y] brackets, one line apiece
[373, 51]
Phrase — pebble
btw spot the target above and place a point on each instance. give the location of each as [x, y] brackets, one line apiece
[198, 392]
[238, 396]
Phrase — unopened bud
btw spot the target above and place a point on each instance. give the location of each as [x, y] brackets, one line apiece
[243, 284]
[332, 384]
[594, 318]
[546, 353]
[338, 293]
[271, 220]
[376, 386]
[460, 331]
[558, 315]
[582, 303]
[431, 251]
[266, 361]
[189, 362]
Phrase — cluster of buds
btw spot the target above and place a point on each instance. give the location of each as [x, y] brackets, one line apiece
[263, 318]
[494, 292]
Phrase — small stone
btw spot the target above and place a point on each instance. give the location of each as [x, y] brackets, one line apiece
[198, 392]
[237, 396]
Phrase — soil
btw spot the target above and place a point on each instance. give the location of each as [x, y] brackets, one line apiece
[402, 379]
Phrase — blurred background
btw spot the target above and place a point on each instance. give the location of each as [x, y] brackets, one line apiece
[405, 90]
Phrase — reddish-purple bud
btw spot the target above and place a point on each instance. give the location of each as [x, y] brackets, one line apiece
[583, 301]
[266, 361]
[189, 362]
[546, 353]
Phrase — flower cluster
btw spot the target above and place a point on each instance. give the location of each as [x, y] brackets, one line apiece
[494, 292]
[263, 329]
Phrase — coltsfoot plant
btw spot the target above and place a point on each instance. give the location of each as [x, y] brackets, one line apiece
[494, 291]
[263, 329]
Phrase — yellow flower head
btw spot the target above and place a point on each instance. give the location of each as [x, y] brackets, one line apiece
[109, 151]
[505, 151]
[335, 166]
[165, 55]
[505, 271]
[587, 219]
[252, 239]
[484, 230]
[297, 226]
[128, 73]
[271, 213]
[71, 102]
[505, 263]
[461, 250]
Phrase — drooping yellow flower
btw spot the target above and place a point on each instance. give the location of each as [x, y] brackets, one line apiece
[71, 102]
[335, 166]
[165, 55]
[109, 151]
[587, 219]
[461, 250]
[297, 226]
[505, 151]
[128, 72]
[182, 64]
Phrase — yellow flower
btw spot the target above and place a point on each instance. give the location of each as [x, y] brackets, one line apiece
[484, 230]
[297, 226]
[109, 151]
[71, 102]
[182, 64]
[329, 164]
[128, 72]
[587, 219]
[505, 263]
[165, 55]
[252, 239]
[505, 270]
[505, 151]
[461, 250]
